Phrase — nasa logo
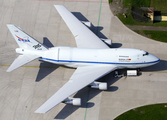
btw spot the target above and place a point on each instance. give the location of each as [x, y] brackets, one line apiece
[24, 40]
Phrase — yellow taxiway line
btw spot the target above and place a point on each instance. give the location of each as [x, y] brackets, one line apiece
[72, 68]
[37, 66]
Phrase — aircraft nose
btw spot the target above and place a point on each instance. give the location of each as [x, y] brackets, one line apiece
[154, 58]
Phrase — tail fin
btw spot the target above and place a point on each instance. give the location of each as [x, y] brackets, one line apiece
[24, 40]
[27, 42]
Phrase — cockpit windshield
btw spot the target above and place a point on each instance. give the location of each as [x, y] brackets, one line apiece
[145, 54]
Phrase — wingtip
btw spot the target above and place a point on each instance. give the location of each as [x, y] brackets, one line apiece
[9, 25]
[56, 6]
[8, 70]
[37, 111]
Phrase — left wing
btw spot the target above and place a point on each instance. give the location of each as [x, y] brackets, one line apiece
[82, 77]
[84, 37]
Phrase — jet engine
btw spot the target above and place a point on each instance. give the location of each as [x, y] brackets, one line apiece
[107, 41]
[73, 101]
[99, 85]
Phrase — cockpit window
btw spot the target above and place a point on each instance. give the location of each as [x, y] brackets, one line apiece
[145, 54]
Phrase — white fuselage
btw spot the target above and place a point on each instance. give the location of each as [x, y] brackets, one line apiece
[122, 57]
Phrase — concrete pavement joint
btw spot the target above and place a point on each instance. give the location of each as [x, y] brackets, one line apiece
[87, 103]
[97, 34]
[99, 17]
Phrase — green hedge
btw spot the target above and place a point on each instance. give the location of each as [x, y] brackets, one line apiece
[150, 112]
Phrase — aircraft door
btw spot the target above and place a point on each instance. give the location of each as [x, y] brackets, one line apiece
[64, 54]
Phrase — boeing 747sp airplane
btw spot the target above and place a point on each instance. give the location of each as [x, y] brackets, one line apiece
[92, 58]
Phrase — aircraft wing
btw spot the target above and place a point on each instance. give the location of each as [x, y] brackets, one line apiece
[84, 37]
[82, 77]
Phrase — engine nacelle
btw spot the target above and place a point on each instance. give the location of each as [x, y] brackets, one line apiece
[99, 85]
[87, 24]
[73, 101]
[107, 41]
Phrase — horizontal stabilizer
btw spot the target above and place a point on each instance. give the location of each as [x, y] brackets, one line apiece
[21, 60]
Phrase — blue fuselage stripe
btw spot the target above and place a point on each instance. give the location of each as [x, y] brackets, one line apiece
[98, 62]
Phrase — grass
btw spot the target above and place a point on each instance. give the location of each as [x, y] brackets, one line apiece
[159, 5]
[128, 4]
[110, 1]
[150, 112]
[156, 35]
[136, 3]
[129, 20]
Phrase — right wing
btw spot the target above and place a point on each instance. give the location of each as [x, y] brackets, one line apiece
[82, 77]
[84, 37]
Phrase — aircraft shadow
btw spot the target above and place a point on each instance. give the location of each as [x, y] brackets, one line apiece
[45, 68]
[87, 94]
[95, 29]
[47, 42]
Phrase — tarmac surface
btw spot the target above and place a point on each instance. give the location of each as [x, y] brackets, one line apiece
[25, 89]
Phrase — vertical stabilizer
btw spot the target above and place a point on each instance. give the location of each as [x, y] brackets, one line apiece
[24, 40]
